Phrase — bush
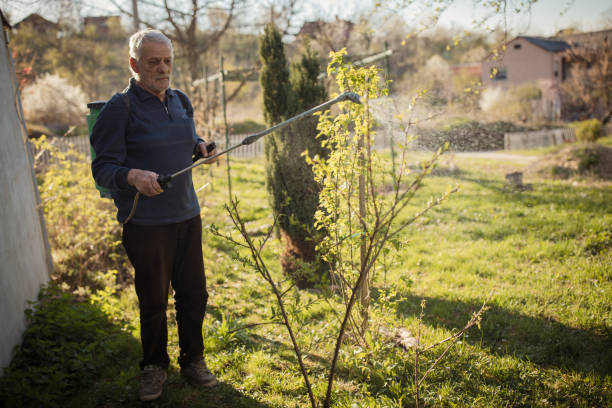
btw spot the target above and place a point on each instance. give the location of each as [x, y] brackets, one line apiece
[52, 101]
[84, 235]
[588, 159]
[515, 104]
[246, 126]
[587, 130]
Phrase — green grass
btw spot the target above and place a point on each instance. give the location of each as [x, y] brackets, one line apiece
[542, 258]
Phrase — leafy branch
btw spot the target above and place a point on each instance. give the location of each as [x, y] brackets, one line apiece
[259, 265]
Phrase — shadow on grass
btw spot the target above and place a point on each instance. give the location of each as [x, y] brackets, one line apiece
[178, 393]
[258, 342]
[585, 199]
[540, 340]
[75, 355]
[532, 211]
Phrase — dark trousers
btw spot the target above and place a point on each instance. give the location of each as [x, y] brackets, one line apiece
[164, 254]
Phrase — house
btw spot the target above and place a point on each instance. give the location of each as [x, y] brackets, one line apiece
[577, 39]
[531, 60]
[471, 69]
[543, 62]
[525, 60]
[326, 36]
[313, 29]
[103, 24]
[40, 24]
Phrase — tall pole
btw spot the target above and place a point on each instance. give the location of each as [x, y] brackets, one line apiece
[392, 139]
[135, 14]
[364, 289]
[227, 143]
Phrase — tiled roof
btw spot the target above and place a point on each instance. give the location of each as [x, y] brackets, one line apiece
[548, 45]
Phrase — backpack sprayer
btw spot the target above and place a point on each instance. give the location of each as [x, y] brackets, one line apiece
[164, 180]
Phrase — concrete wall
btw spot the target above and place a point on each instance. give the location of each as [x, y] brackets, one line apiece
[25, 261]
[540, 138]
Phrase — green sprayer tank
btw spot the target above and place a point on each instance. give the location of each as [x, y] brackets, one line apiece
[94, 110]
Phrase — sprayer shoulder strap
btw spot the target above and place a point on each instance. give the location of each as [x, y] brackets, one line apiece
[126, 99]
[182, 97]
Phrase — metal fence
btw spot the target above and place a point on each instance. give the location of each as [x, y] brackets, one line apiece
[80, 144]
[382, 140]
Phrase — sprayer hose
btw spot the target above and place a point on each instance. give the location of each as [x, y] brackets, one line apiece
[165, 179]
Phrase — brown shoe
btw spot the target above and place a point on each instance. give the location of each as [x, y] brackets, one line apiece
[198, 375]
[152, 379]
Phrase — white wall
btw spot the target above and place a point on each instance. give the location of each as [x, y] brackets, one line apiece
[25, 261]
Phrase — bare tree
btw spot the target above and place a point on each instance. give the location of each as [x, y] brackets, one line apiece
[281, 14]
[194, 26]
[587, 90]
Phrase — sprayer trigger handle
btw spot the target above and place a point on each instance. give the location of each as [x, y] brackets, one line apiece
[164, 181]
[198, 153]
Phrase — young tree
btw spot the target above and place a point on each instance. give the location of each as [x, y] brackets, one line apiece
[360, 218]
[290, 181]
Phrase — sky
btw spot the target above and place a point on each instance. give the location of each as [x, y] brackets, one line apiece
[545, 18]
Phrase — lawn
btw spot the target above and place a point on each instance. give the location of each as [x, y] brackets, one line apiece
[540, 258]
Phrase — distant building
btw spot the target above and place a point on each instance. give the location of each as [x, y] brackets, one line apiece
[472, 69]
[103, 23]
[526, 60]
[577, 39]
[332, 35]
[539, 61]
[40, 24]
[314, 29]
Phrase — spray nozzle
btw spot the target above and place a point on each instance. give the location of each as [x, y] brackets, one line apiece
[351, 96]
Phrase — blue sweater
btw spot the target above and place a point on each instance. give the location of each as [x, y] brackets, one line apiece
[157, 136]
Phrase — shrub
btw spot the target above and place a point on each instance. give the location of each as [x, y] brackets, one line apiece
[247, 126]
[84, 235]
[51, 100]
[516, 104]
[588, 159]
[587, 130]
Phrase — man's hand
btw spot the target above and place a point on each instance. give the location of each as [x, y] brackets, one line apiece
[144, 181]
[206, 153]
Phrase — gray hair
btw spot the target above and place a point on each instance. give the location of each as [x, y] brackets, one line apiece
[148, 34]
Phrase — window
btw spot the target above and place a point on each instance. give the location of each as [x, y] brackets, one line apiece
[556, 68]
[517, 46]
[499, 74]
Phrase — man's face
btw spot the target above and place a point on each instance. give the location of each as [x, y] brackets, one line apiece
[154, 67]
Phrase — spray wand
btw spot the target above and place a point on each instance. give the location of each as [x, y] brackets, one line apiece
[164, 180]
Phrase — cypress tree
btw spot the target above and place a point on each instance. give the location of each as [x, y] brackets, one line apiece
[294, 195]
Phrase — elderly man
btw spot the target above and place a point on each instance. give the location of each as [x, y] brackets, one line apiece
[141, 133]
